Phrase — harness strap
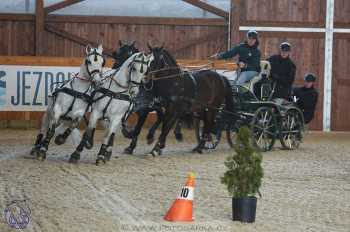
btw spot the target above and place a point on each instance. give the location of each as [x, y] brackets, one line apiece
[75, 94]
[112, 95]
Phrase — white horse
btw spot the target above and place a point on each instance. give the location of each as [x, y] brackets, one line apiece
[70, 102]
[111, 102]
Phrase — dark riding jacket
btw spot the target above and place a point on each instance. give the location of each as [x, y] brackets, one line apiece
[306, 101]
[247, 54]
[283, 74]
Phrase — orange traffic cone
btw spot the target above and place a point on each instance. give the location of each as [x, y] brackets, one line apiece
[182, 208]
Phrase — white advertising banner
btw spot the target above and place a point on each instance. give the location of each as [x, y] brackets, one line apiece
[26, 88]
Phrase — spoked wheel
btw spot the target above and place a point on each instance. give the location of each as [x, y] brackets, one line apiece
[292, 129]
[264, 127]
[213, 140]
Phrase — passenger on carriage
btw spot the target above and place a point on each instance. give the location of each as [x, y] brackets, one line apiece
[282, 72]
[248, 57]
[307, 97]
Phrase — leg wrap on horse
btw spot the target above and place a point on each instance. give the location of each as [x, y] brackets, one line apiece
[49, 134]
[103, 150]
[39, 137]
[129, 150]
[108, 153]
[89, 139]
[61, 139]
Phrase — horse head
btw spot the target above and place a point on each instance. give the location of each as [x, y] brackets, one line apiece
[138, 66]
[94, 62]
[123, 53]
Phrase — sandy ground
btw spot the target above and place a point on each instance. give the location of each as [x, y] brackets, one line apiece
[303, 190]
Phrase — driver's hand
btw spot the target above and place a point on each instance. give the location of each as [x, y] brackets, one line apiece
[241, 64]
[214, 57]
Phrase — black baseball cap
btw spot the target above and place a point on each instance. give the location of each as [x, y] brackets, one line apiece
[285, 47]
[252, 34]
[310, 77]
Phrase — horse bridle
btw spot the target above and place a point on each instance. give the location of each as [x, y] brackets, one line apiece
[130, 82]
[87, 62]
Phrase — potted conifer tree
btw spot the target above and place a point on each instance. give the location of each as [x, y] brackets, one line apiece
[243, 177]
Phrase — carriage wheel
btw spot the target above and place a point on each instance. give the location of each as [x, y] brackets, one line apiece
[231, 137]
[264, 127]
[292, 129]
[214, 139]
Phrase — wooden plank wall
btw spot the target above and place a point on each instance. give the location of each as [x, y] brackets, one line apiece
[341, 68]
[18, 38]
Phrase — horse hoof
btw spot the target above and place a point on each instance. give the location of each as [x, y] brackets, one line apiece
[197, 150]
[34, 151]
[155, 153]
[150, 140]
[128, 151]
[41, 155]
[108, 155]
[74, 158]
[59, 140]
[179, 137]
[88, 145]
[100, 160]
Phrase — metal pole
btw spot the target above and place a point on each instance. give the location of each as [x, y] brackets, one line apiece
[327, 91]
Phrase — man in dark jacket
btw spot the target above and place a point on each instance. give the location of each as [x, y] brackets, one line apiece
[282, 72]
[249, 57]
[307, 97]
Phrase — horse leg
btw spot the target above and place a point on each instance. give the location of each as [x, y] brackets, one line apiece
[40, 136]
[106, 148]
[168, 123]
[209, 117]
[110, 146]
[87, 136]
[37, 143]
[44, 145]
[177, 131]
[141, 120]
[152, 130]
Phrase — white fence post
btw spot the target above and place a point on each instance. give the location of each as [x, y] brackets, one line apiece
[328, 63]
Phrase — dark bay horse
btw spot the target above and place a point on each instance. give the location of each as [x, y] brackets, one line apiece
[200, 94]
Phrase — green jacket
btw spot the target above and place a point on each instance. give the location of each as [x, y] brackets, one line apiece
[248, 55]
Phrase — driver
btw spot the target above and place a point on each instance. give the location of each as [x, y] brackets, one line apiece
[249, 57]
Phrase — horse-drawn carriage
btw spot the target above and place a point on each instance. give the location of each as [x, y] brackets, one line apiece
[253, 106]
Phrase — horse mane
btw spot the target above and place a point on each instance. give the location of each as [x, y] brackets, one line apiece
[169, 58]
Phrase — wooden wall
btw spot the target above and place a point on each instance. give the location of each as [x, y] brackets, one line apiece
[288, 12]
[187, 41]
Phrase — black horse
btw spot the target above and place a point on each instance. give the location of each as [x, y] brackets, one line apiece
[123, 53]
[200, 94]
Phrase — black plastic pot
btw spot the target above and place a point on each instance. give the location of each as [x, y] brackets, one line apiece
[244, 209]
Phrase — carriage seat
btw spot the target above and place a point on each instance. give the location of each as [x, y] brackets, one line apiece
[265, 71]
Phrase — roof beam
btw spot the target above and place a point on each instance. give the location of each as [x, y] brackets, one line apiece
[207, 7]
[60, 5]
[199, 40]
